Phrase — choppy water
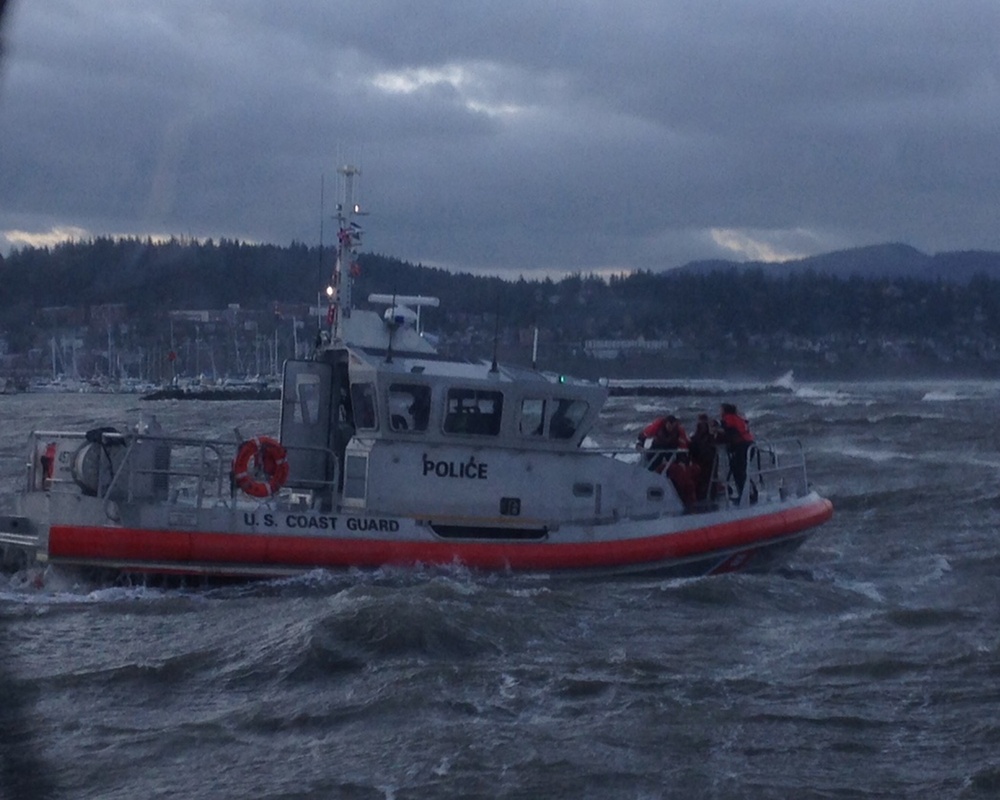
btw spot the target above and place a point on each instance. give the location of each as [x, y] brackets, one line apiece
[869, 668]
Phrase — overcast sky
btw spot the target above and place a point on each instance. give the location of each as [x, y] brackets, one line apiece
[512, 137]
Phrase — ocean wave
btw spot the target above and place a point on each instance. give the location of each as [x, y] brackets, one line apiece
[874, 455]
[984, 782]
[436, 622]
[884, 500]
[785, 591]
[374, 623]
[874, 668]
[942, 396]
[55, 587]
[828, 397]
[921, 618]
[784, 384]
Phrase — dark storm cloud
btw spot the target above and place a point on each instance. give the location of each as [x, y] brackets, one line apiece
[516, 135]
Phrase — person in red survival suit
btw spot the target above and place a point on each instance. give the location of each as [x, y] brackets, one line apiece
[669, 443]
[737, 438]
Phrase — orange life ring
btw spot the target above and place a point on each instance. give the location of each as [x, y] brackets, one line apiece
[261, 466]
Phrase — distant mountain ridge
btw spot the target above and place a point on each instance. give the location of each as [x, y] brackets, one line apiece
[870, 310]
[893, 260]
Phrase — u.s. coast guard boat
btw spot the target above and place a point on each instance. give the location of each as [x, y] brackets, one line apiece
[388, 454]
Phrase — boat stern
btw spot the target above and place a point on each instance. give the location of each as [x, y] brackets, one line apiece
[21, 541]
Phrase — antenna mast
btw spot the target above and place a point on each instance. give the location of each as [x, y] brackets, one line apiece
[319, 299]
[345, 268]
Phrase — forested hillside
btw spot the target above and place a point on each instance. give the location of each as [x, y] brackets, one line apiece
[756, 310]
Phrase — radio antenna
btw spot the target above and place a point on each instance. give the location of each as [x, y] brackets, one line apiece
[496, 332]
[392, 327]
[319, 293]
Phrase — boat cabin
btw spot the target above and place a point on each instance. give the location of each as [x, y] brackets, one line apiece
[368, 397]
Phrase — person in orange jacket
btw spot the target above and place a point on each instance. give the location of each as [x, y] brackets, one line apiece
[667, 434]
[735, 434]
[663, 433]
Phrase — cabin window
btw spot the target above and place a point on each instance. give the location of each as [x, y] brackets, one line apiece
[566, 418]
[307, 399]
[409, 406]
[363, 402]
[532, 416]
[473, 411]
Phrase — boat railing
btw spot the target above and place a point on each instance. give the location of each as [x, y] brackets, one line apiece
[175, 470]
[193, 472]
[199, 472]
[776, 469]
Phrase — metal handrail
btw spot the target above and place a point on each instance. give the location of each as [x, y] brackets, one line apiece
[212, 455]
[777, 464]
[201, 475]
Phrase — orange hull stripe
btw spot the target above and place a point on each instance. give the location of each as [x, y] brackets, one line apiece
[136, 546]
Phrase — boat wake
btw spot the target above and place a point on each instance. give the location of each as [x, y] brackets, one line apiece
[53, 586]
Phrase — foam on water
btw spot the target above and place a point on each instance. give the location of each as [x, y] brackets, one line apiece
[940, 396]
[871, 454]
[828, 397]
[54, 586]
